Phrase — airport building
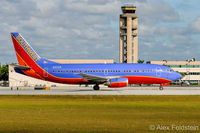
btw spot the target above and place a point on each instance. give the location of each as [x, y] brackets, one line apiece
[190, 68]
[79, 61]
[128, 39]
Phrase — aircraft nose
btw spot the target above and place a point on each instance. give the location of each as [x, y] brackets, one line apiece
[175, 76]
[178, 76]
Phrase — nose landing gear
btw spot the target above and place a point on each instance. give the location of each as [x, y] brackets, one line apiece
[163, 84]
[96, 87]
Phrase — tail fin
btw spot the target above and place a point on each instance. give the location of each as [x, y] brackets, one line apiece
[25, 53]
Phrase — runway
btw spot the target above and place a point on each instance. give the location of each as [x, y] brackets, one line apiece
[103, 91]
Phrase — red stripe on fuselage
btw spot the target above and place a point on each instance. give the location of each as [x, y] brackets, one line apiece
[145, 80]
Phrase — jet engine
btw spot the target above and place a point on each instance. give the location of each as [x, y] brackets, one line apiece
[117, 82]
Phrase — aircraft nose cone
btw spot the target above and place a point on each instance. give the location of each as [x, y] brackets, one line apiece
[175, 76]
[179, 76]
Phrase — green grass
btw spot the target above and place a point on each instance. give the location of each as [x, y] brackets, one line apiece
[97, 113]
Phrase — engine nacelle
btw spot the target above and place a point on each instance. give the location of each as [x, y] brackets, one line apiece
[118, 82]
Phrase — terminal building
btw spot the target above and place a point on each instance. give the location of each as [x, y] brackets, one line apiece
[190, 69]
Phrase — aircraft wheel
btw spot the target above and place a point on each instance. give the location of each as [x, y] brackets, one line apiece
[96, 87]
[161, 88]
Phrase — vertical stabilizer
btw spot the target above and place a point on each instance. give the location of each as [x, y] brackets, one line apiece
[25, 53]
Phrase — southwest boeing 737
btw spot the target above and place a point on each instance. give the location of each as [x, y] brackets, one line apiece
[113, 75]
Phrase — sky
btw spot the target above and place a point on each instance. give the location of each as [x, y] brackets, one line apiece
[89, 29]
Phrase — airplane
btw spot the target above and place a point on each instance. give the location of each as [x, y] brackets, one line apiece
[113, 75]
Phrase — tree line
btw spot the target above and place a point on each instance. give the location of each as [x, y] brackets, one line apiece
[4, 72]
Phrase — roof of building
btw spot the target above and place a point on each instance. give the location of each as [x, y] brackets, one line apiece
[79, 61]
[175, 62]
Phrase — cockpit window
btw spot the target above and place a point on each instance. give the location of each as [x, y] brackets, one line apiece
[169, 70]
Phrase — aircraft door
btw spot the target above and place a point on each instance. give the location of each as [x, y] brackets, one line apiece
[106, 72]
[158, 72]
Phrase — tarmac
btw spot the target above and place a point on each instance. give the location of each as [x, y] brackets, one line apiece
[103, 91]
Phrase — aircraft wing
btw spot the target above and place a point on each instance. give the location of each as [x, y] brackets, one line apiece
[21, 67]
[93, 78]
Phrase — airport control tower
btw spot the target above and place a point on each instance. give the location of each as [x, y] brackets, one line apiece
[128, 34]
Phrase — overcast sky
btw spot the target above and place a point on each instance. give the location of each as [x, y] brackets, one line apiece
[88, 29]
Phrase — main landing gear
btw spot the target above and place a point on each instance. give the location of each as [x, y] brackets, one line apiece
[161, 88]
[96, 87]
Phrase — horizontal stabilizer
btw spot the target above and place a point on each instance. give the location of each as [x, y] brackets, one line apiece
[22, 67]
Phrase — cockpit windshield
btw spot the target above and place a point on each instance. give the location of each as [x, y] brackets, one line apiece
[169, 70]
